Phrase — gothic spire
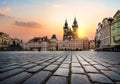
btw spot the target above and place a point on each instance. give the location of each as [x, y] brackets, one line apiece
[66, 24]
[75, 21]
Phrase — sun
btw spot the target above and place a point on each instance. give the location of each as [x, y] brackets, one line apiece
[81, 33]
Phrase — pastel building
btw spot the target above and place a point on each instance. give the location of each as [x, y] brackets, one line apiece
[105, 33]
[37, 44]
[115, 30]
[5, 41]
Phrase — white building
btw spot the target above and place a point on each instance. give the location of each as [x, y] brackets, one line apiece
[37, 44]
[105, 40]
[98, 36]
[73, 44]
[53, 43]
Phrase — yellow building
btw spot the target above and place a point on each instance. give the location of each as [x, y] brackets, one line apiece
[5, 41]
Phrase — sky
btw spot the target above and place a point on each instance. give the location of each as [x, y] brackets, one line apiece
[25, 19]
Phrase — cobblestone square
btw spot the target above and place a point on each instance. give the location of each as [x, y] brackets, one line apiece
[60, 67]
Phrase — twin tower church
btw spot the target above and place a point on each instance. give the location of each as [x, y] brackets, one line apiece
[70, 33]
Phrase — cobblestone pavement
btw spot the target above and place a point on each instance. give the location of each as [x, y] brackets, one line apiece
[83, 67]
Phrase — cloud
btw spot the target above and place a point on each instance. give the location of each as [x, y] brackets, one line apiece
[1, 14]
[3, 11]
[27, 24]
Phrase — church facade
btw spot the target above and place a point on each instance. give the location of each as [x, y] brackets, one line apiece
[70, 33]
[71, 41]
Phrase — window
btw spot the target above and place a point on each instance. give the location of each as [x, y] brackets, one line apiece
[118, 29]
[118, 17]
[113, 31]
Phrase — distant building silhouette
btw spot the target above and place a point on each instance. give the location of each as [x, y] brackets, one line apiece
[71, 41]
[53, 42]
[10, 44]
[70, 33]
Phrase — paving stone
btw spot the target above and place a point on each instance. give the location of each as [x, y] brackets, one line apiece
[39, 62]
[93, 63]
[51, 61]
[85, 63]
[99, 78]
[79, 79]
[38, 78]
[90, 69]
[45, 64]
[35, 69]
[100, 67]
[117, 66]
[75, 65]
[116, 69]
[61, 58]
[112, 75]
[10, 73]
[62, 72]
[7, 68]
[105, 64]
[36, 60]
[80, 59]
[68, 59]
[57, 80]
[24, 63]
[89, 60]
[17, 79]
[64, 65]
[11, 64]
[77, 70]
[57, 63]
[51, 67]
[114, 62]
[29, 66]
[74, 60]
[67, 62]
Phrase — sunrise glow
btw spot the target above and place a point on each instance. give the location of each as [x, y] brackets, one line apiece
[81, 33]
[29, 18]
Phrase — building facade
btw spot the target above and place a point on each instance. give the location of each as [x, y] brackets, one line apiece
[85, 43]
[70, 45]
[10, 44]
[115, 31]
[69, 33]
[106, 33]
[71, 41]
[5, 41]
[37, 44]
[53, 43]
[91, 44]
[98, 36]
[17, 42]
[110, 34]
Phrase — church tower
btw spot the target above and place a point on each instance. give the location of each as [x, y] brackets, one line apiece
[65, 30]
[75, 28]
